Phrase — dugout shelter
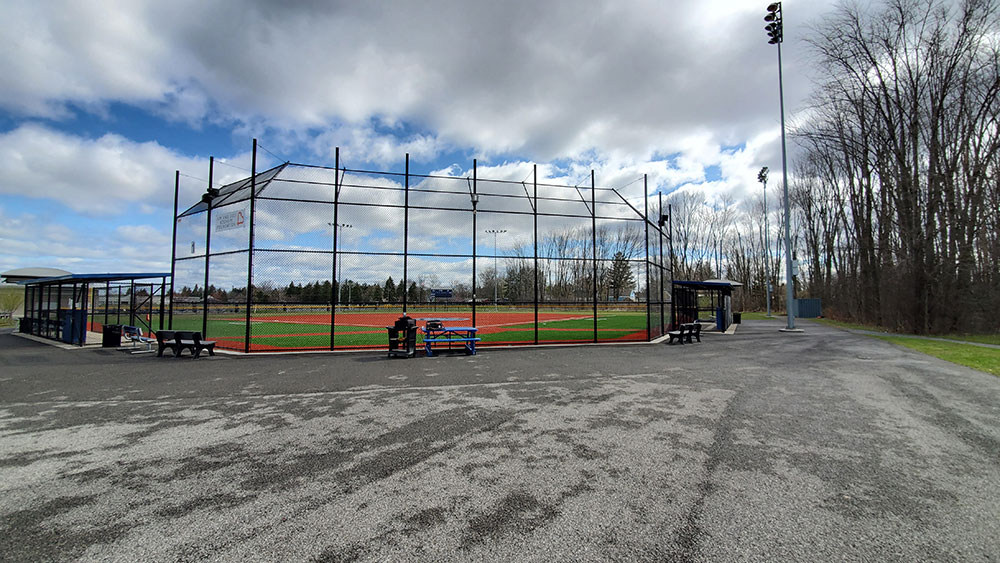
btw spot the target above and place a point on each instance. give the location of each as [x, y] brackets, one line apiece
[66, 308]
[701, 301]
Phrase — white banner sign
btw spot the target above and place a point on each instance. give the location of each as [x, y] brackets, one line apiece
[231, 220]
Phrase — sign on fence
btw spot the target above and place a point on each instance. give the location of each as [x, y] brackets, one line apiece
[231, 220]
[440, 294]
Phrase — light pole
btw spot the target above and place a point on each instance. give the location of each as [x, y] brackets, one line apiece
[340, 269]
[762, 178]
[496, 272]
[775, 30]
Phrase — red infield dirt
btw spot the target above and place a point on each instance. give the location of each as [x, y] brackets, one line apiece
[487, 322]
[381, 320]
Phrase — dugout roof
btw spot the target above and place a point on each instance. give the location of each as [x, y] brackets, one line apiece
[93, 278]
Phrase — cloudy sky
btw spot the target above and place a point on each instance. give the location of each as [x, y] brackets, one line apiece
[101, 101]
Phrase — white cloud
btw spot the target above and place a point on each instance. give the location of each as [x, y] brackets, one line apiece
[32, 240]
[549, 80]
[94, 176]
[621, 87]
[103, 176]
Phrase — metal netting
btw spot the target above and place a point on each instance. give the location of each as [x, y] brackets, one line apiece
[321, 259]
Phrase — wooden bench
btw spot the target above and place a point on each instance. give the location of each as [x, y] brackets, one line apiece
[179, 340]
[192, 341]
[695, 331]
[164, 340]
[677, 335]
[686, 331]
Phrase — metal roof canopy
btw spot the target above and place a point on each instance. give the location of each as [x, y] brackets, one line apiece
[88, 278]
[687, 303]
[709, 284]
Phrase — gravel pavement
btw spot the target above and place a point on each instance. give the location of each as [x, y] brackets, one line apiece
[757, 446]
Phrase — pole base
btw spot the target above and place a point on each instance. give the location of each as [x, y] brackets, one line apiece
[786, 329]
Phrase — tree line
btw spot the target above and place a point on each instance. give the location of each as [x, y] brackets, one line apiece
[566, 273]
[895, 186]
[323, 291]
[897, 190]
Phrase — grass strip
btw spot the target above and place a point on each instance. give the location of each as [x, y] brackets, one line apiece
[980, 338]
[975, 357]
[760, 316]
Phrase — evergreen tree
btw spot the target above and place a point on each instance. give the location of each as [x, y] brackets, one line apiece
[621, 278]
[389, 290]
[308, 293]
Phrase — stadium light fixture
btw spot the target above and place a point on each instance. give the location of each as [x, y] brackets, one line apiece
[775, 31]
[340, 268]
[762, 178]
[496, 272]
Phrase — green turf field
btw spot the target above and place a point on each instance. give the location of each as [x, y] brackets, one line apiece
[293, 329]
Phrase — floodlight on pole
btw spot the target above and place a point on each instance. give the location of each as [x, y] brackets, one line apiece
[340, 269]
[762, 178]
[496, 272]
[775, 31]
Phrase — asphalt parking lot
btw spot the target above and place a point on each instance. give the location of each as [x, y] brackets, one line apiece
[760, 446]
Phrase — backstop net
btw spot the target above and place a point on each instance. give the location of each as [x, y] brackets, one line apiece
[303, 257]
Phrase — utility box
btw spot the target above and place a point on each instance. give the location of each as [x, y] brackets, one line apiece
[403, 338]
[809, 308]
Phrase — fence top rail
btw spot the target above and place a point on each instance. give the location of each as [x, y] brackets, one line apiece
[346, 170]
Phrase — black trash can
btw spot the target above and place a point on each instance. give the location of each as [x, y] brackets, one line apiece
[67, 327]
[24, 325]
[403, 338]
[111, 336]
[737, 317]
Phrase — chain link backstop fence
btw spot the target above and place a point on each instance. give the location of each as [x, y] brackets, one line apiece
[303, 257]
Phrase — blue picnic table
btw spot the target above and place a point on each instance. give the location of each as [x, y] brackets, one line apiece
[437, 338]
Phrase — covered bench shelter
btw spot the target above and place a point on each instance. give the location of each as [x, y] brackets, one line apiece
[64, 308]
[701, 300]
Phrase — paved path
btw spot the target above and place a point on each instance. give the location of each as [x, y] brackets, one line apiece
[759, 446]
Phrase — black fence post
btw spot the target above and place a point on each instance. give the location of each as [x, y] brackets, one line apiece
[163, 296]
[534, 210]
[406, 234]
[336, 221]
[173, 251]
[85, 288]
[670, 239]
[475, 234]
[253, 199]
[36, 309]
[131, 303]
[661, 268]
[208, 246]
[645, 217]
[593, 235]
[58, 307]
